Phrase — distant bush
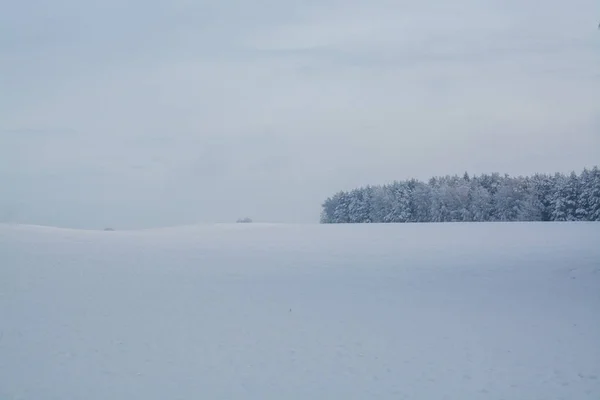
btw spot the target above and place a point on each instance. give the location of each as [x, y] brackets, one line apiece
[108, 229]
[244, 220]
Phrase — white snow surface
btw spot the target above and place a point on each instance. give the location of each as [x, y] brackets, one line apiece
[408, 311]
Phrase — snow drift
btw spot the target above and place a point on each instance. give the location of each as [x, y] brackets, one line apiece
[252, 311]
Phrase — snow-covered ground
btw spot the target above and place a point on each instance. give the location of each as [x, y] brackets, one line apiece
[416, 311]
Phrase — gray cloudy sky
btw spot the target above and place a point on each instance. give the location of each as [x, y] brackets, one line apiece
[150, 113]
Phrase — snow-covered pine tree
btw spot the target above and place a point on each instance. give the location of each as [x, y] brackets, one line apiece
[420, 200]
[542, 188]
[530, 207]
[377, 204]
[459, 197]
[480, 202]
[572, 196]
[400, 203]
[593, 195]
[358, 206]
[341, 213]
[439, 200]
[328, 208]
[559, 207]
[582, 201]
[506, 200]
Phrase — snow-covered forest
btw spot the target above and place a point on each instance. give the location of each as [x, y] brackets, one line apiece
[558, 197]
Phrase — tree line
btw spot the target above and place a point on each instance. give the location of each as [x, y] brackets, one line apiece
[541, 197]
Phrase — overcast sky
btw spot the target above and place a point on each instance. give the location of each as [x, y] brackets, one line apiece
[137, 114]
